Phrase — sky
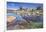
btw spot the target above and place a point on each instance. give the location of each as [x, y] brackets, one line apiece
[17, 5]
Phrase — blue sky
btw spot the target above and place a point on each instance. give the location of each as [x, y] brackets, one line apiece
[16, 5]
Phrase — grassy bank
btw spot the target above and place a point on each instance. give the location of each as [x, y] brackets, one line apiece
[35, 25]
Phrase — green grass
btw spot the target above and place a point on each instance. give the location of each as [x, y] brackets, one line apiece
[35, 25]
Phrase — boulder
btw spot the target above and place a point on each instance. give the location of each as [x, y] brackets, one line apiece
[10, 20]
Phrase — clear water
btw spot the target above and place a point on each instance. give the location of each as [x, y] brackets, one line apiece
[18, 17]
